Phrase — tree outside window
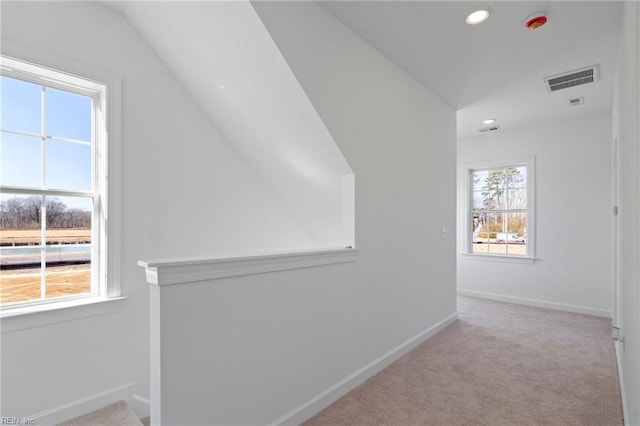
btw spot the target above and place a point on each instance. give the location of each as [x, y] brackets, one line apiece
[499, 211]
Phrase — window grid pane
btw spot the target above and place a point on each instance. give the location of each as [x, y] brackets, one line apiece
[21, 105]
[46, 235]
[68, 246]
[68, 115]
[499, 210]
[68, 166]
[20, 248]
[20, 160]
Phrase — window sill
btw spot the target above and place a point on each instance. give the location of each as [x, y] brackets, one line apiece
[183, 270]
[498, 258]
[68, 310]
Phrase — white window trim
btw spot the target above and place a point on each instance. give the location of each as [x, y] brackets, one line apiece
[530, 257]
[110, 253]
[24, 318]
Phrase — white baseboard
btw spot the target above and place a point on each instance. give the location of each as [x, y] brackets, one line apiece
[316, 404]
[83, 406]
[537, 303]
[142, 406]
[623, 395]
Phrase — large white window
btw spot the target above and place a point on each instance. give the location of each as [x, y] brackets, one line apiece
[501, 215]
[54, 194]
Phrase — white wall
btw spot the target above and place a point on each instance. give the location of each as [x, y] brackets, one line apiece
[399, 138]
[573, 217]
[626, 113]
[262, 346]
[185, 192]
[226, 59]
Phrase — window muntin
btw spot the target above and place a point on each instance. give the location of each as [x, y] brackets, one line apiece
[53, 186]
[500, 213]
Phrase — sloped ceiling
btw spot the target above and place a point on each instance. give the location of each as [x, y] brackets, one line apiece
[225, 58]
[495, 69]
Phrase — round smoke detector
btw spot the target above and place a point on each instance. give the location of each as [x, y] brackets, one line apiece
[536, 21]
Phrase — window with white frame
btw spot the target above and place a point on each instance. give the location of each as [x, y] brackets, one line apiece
[53, 187]
[501, 208]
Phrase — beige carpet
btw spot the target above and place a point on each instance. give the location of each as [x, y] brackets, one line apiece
[500, 364]
[117, 414]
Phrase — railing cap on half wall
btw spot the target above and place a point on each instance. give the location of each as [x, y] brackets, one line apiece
[189, 269]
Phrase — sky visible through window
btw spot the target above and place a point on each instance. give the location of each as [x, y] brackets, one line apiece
[46, 175]
[65, 120]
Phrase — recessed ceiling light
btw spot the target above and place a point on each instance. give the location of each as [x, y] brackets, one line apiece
[489, 121]
[477, 17]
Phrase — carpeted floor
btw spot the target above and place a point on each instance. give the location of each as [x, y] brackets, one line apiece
[500, 364]
[116, 414]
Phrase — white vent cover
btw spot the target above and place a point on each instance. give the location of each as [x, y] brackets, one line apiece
[489, 129]
[573, 78]
[576, 101]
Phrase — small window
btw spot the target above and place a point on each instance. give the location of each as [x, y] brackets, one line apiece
[501, 214]
[53, 187]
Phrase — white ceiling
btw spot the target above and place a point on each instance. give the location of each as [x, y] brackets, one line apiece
[495, 69]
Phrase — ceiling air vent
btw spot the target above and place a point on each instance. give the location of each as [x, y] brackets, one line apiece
[489, 129]
[573, 78]
[576, 101]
